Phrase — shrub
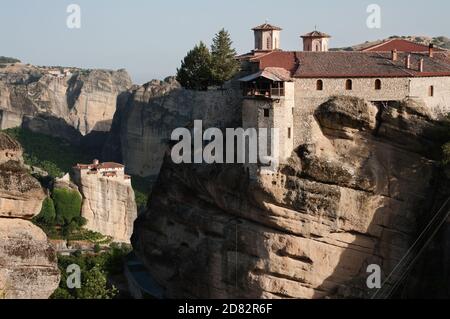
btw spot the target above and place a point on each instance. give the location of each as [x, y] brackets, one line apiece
[67, 205]
[47, 216]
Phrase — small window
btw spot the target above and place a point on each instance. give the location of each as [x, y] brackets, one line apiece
[431, 91]
[349, 85]
[289, 132]
[319, 85]
[269, 43]
[266, 112]
[378, 85]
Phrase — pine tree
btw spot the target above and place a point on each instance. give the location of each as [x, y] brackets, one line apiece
[224, 63]
[195, 71]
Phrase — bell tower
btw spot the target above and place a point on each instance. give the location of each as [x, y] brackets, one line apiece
[267, 37]
[316, 41]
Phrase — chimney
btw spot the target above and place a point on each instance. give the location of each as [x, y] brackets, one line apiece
[394, 55]
[421, 65]
[408, 61]
[431, 50]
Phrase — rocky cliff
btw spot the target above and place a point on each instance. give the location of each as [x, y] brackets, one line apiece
[71, 102]
[109, 205]
[146, 118]
[28, 266]
[357, 189]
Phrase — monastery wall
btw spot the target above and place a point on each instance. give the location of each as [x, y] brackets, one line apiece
[439, 104]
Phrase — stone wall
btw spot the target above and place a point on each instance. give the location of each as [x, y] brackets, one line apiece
[392, 89]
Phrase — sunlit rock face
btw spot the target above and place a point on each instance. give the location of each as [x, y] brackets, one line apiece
[109, 205]
[71, 104]
[28, 265]
[353, 194]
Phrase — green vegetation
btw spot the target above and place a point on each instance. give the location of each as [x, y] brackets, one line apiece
[47, 215]
[54, 155]
[224, 63]
[96, 270]
[60, 218]
[202, 68]
[6, 60]
[142, 189]
[195, 71]
[67, 206]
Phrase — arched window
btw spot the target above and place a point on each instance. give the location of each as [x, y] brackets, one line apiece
[378, 84]
[431, 91]
[319, 85]
[269, 43]
[349, 85]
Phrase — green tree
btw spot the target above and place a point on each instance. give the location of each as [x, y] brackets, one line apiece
[95, 285]
[195, 71]
[224, 63]
[47, 216]
[67, 205]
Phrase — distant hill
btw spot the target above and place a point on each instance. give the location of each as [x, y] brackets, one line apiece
[441, 42]
[6, 60]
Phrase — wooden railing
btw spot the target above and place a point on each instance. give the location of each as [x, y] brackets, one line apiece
[269, 93]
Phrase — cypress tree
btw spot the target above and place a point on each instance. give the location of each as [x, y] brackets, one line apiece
[224, 63]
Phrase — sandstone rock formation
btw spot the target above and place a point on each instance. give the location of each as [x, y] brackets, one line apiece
[146, 118]
[359, 183]
[28, 266]
[85, 101]
[109, 205]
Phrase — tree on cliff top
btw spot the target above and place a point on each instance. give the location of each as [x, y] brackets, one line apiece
[224, 63]
[195, 71]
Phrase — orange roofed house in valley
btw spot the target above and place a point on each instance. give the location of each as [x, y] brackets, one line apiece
[283, 88]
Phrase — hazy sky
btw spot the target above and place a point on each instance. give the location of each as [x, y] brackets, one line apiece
[150, 37]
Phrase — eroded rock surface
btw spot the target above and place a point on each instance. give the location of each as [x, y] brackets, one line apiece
[352, 195]
[109, 205]
[76, 102]
[28, 265]
[146, 118]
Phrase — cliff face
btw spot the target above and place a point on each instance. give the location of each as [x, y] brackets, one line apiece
[354, 193]
[28, 265]
[84, 101]
[147, 117]
[108, 205]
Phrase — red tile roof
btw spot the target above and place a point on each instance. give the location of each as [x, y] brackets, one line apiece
[110, 165]
[107, 165]
[277, 59]
[316, 34]
[354, 64]
[400, 45]
[266, 27]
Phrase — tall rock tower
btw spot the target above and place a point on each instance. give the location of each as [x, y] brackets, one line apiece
[316, 41]
[267, 37]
